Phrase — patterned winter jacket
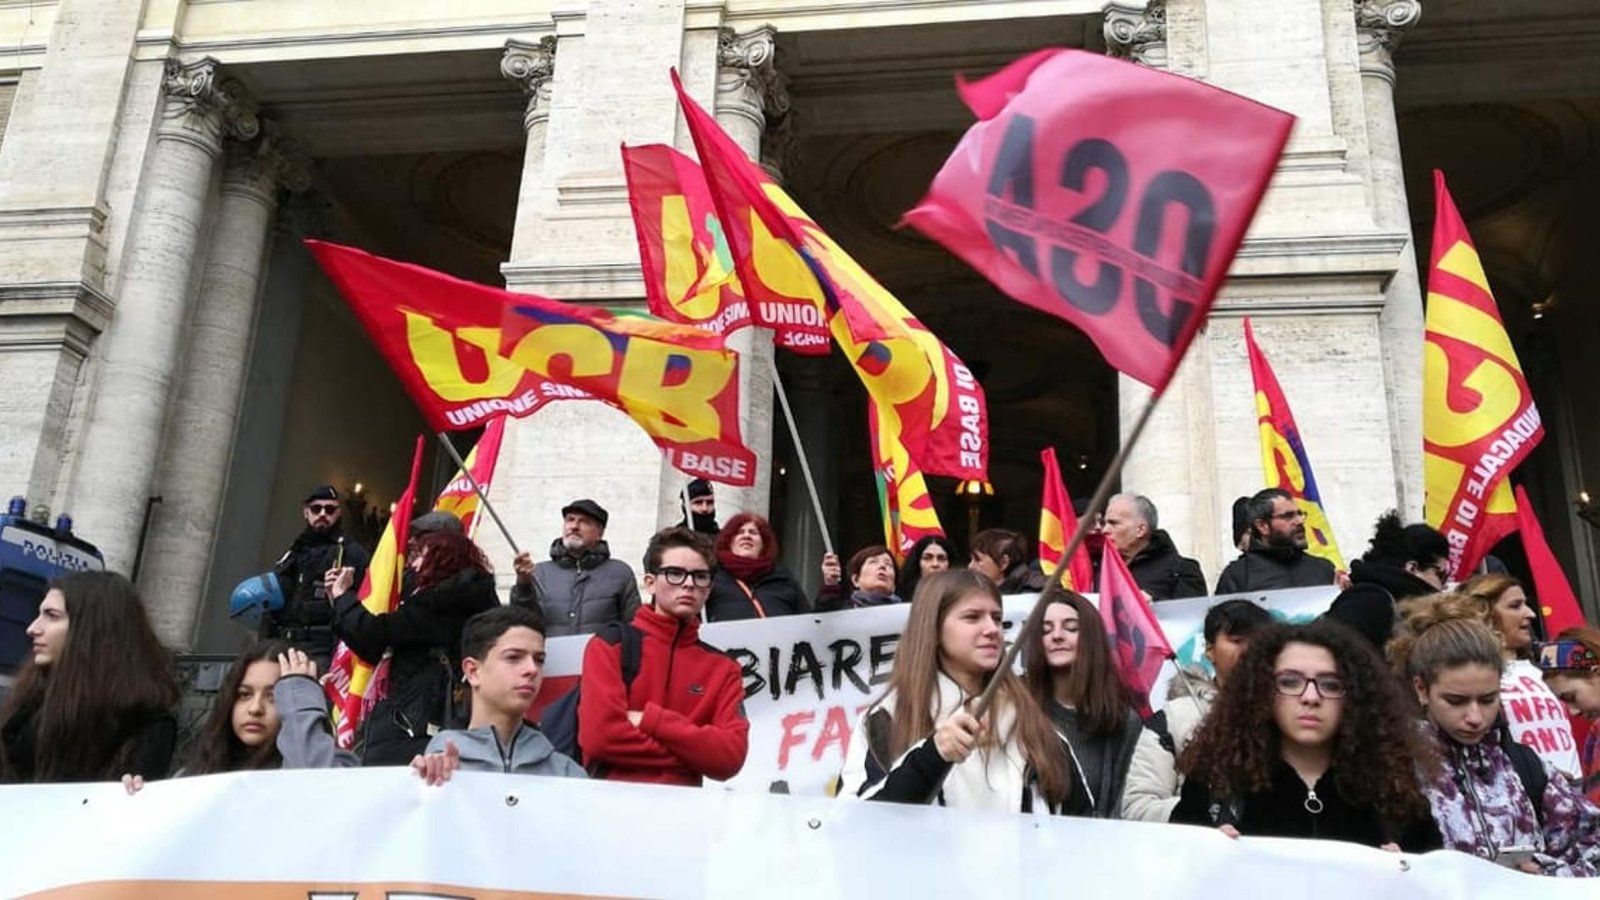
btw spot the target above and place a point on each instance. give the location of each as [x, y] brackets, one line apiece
[1482, 808]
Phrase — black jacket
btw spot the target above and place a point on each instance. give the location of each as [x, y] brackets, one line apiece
[1023, 578]
[1163, 574]
[305, 604]
[1261, 569]
[424, 635]
[1280, 811]
[777, 591]
[149, 738]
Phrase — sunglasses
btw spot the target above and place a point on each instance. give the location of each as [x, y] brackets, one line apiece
[675, 576]
[318, 509]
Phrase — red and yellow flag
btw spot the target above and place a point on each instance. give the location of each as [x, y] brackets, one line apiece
[458, 498]
[1478, 417]
[1284, 462]
[903, 498]
[468, 353]
[1057, 523]
[353, 684]
[689, 272]
[922, 389]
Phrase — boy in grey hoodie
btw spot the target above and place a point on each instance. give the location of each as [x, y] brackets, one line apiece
[502, 658]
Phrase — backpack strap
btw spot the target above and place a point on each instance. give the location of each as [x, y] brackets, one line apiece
[632, 640]
[1530, 771]
[1157, 723]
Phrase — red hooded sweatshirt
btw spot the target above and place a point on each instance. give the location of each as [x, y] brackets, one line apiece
[692, 698]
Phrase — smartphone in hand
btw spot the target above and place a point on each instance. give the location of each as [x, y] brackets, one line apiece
[1514, 857]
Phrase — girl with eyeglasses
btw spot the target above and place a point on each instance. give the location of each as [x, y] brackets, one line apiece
[1534, 714]
[1310, 737]
[1491, 796]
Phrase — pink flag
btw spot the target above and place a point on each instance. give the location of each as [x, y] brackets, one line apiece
[1137, 641]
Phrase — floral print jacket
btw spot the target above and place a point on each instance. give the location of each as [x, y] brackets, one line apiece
[1482, 808]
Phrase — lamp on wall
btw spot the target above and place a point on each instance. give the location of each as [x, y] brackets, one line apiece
[974, 492]
[1588, 510]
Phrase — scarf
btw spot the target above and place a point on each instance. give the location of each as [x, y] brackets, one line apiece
[744, 568]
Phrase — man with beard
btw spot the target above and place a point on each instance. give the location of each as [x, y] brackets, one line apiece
[1277, 556]
[307, 616]
[700, 509]
[581, 589]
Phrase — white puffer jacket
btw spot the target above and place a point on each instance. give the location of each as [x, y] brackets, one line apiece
[1151, 791]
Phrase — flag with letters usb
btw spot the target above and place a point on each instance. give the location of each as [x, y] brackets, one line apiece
[903, 498]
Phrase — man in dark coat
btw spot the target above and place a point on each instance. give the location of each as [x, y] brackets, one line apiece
[1152, 558]
[306, 618]
[699, 509]
[581, 589]
[1277, 557]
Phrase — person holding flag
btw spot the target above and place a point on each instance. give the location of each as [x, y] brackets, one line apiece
[452, 583]
[1073, 677]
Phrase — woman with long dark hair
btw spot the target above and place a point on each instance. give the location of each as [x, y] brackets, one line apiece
[1072, 678]
[1533, 712]
[270, 713]
[919, 741]
[1491, 796]
[1004, 558]
[95, 700]
[931, 553]
[1310, 737]
[748, 581]
[451, 583]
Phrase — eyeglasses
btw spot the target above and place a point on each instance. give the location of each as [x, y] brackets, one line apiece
[675, 576]
[320, 508]
[1293, 515]
[1293, 684]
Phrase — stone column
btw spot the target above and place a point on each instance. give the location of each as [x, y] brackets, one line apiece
[194, 468]
[750, 95]
[139, 352]
[1137, 31]
[1379, 24]
[533, 67]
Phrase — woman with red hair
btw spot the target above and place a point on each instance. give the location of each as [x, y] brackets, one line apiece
[749, 582]
[451, 582]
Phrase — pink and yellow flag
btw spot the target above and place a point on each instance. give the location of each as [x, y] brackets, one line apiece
[1478, 417]
[903, 498]
[353, 684]
[1284, 461]
[1057, 523]
[922, 389]
[458, 498]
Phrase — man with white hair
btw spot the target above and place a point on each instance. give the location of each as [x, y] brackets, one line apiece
[1130, 525]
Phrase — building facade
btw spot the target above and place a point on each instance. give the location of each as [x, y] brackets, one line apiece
[163, 333]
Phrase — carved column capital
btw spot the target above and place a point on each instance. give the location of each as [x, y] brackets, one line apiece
[750, 87]
[266, 165]
[1379, 24]
[1137, 31]
[202, 105]
[533, 67]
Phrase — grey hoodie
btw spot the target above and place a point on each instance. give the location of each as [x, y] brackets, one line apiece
[530, 753]
[305, 740]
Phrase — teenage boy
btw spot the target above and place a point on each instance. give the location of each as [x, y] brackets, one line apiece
[682, 720]
[502, 652]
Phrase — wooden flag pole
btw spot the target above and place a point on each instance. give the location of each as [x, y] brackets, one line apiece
[1031, 626]
[800, 453]
[483, 496]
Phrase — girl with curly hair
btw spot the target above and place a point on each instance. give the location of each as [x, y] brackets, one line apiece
[1072, 678]
[1310, 737]
[1532, 710]
[1491, 796]
[920, 740]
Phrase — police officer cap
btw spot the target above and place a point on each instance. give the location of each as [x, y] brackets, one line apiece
[325, 492]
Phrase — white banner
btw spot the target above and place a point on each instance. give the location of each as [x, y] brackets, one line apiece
[807, 678]
[380, 834]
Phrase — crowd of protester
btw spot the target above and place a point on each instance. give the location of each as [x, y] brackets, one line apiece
[1382, 722]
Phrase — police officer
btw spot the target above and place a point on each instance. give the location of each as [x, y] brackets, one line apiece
[306, 617]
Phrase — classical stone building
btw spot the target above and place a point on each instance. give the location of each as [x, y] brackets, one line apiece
[164, 334]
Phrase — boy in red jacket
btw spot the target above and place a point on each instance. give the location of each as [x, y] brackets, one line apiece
[682, 720]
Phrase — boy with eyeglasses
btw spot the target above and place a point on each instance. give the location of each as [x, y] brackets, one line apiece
[681, 720]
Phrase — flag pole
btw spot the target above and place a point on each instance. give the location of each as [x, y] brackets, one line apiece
[483, 496]
[800, 453]
[1032, 625]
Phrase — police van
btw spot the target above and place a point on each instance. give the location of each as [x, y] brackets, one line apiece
[32, 553]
